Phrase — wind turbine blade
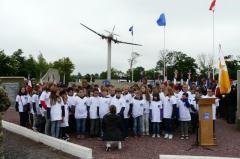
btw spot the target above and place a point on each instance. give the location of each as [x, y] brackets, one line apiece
[101, 35]
[123, 42]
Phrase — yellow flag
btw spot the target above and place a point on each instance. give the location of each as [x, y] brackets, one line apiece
[223, 77]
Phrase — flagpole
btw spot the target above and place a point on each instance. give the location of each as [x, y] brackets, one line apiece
[164, 49]
[132, 57]
[213, 50]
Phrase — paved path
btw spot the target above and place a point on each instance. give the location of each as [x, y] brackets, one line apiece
[228, 144]
[18, 147]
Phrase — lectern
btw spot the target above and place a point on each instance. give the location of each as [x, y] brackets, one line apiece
[205, 136]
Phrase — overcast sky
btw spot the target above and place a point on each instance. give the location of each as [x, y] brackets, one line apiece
[52, 27]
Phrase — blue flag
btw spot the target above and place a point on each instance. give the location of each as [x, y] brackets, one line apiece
[131, 30]
[161, 20]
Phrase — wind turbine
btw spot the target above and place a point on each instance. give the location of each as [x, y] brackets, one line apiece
[109, 38]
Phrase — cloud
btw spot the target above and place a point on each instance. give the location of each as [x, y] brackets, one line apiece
[53, 28]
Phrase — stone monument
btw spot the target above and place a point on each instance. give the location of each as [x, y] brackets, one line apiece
[11, 85]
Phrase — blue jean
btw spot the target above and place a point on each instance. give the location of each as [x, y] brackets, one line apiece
[137, 125]
[156, 128]
[55, 128]
[81, 126]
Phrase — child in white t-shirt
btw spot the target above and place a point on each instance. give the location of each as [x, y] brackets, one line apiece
[155, 114]
[184, 115]
[169, 101]
[137, 113]
[57, 112]
[128, 103]
[64, 123]
[81, 113]
[105, 101]
[94, 103]
[21, 104]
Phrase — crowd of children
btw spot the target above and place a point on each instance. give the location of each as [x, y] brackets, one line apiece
[144, 110]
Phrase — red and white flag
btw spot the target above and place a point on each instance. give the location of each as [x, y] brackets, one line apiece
[212, 6]
[29, 86]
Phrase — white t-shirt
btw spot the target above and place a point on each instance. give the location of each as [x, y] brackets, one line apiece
[138, 106]
[194, 103]
[177, 95]
[168, 103]
[161, 94]
[146, 105]
[56, 110]
[45, 97]
[156, 107]
[22, 100]
[94, 103]
[128, 100]
[119, 103]
[35, 99]
[104, 106]
[66, 117]
[184, 112]
[30, 103]
[214, 106]
[81, 107]
[71, 101]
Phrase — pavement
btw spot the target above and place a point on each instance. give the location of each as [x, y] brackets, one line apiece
[228, 144]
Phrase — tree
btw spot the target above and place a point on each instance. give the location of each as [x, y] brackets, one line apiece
[115, 74]
[205, 62]
[41, 66]
[150, 74]
[65, 68]
[17, 61]
[88, 77]
[132, 61]
[138, 73]
[6, 67]
[176, 60]
[97, 76]
[233, 64]
[30, 66]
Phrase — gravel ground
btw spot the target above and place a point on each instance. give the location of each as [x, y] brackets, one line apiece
[228, 144]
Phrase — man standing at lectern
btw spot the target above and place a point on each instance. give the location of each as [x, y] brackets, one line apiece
[210, 94]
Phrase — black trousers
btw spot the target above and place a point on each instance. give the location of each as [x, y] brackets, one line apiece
[24, 118]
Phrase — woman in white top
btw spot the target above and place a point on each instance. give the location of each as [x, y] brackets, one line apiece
[22, 106]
